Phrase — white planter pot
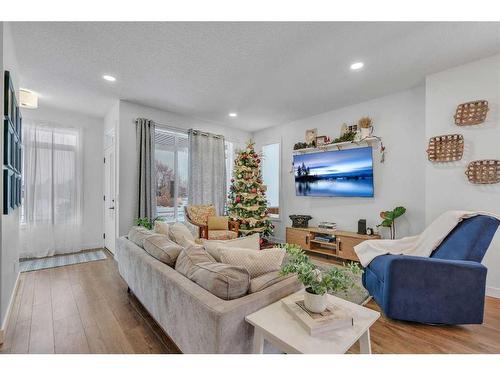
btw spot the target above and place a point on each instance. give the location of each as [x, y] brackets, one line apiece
[314, 302]
[366, 132]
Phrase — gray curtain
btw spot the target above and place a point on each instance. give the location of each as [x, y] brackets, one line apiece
[145, 131]
[207, 170]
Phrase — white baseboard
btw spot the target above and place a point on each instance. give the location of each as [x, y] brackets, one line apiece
[493, 292]
[5, 322]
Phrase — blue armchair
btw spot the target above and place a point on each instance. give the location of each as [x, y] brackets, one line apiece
[447, 288]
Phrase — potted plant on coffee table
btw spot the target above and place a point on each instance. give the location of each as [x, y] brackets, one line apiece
[317, 282]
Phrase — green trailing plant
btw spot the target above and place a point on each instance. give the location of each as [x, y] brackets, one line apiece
[389, 219]
[315, 280]
[346, 137]
[146, 222]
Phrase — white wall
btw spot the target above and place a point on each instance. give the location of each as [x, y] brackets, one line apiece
[9, 251]
[127, 154]
[447, 187]
[92, 130]
[399, 120]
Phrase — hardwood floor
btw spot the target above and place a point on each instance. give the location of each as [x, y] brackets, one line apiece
[85, 308]
[82, 308]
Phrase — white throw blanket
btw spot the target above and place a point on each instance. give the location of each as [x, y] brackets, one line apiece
[422, 245]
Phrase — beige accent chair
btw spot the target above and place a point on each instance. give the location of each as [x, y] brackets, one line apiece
[211, 226]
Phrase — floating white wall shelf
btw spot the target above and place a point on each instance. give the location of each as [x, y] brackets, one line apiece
[338, 146]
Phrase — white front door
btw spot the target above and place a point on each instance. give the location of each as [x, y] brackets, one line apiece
[109, 199]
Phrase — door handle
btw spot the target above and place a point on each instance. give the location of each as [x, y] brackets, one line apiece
[111, 208]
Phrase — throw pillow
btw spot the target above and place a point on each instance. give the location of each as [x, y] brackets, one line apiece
[222, 280]
[161, 227]
[162, 248]
[179, 233]
[249, 242]
[138, 234]
[218, 223]
[256, 262]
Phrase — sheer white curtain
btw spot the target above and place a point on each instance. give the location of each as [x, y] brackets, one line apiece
[51, 211]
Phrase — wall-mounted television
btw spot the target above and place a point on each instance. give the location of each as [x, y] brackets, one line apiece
[343, 173]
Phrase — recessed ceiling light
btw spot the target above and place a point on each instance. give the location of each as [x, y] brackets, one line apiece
[233, 114]
[357, 65]
[109, 78]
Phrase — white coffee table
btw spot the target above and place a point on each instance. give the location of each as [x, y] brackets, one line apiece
[277, 326]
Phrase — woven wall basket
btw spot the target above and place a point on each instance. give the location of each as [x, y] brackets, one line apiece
[471, 113]
[483, 171]
[445, 148]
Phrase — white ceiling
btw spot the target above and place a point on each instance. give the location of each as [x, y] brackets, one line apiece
[270, 73]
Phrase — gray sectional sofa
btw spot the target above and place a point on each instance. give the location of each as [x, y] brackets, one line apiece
[195, 319]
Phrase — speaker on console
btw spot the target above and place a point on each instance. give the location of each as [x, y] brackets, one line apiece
[361, 226]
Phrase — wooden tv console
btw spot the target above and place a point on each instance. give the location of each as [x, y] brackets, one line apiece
[343, 247]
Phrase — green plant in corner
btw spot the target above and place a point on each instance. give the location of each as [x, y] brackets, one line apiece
[389, 217]
[316, 281]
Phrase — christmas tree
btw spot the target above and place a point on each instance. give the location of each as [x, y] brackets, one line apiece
[247, 195]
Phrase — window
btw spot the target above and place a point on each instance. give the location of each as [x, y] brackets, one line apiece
[271, 176]
[171, 167]
[51, 176]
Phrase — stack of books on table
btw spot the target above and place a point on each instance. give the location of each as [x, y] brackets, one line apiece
[328, 225]
[331, 319]
[324, 238]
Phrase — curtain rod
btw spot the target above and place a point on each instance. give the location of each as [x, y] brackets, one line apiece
[181, 130]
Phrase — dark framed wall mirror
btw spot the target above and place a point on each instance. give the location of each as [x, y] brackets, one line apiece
[12, 157]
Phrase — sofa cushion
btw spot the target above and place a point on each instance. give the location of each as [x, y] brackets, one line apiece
[257, 262]
[223, 235]
[266, 280]
[161, 227]
[248, 242]
[222, 280]
[138, 234]
[162, 248]
[179, 233]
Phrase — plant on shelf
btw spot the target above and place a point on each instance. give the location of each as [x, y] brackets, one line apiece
[247, 202]
[389, 217]
[346, 137]
[365, 122]
[318, 283]
[146, 222]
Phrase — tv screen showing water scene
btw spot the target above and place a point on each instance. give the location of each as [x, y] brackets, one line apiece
[343, 173]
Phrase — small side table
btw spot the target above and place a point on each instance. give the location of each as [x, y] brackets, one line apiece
[276, 325]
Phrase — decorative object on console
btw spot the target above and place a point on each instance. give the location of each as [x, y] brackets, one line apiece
[389, 218]
[317, 282]
[327, 225]
[471, 113]
[369, 231]
[247, 203]
[300, 221]
[445, 148]
[362, 226]
[483, 171]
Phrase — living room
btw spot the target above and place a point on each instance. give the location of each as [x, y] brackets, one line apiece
[250, 187]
